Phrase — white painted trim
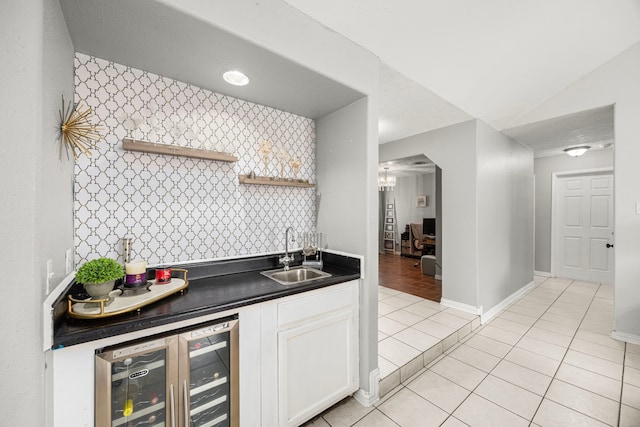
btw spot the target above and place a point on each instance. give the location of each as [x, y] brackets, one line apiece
[47, 311]
[623, 336]
[460, 306]
[542, 273]
[555, 176]
[365, 398]
[492, 312]
[438, 277]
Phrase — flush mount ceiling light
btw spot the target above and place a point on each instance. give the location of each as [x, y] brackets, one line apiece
[577, 151]
[236, 78]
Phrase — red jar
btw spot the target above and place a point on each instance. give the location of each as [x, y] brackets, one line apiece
[163, 276]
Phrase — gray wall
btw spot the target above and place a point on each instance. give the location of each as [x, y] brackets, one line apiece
[614, 83]
[347, 214]
[505, 216]
[487, 210]
[407, 188]
[544, 167]
[36, 193]
[453, 149]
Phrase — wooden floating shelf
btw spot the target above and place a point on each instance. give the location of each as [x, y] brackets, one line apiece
[173, 150]
[267, 180]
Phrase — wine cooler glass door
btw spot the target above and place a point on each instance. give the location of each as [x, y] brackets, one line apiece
[134, 386]
[210, 375]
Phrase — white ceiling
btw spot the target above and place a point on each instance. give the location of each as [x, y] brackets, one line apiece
[407, 109]
[408, 166]
[593, 128]
[442, 62]
[493, 59]
[154, 37]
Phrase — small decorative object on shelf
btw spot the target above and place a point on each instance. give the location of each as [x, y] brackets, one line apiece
[269, 180]
[76, 130]
[266, 148]
[295, 164]
[283, 158]
[149, 147]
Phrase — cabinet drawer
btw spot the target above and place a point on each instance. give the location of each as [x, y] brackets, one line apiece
[325, 301]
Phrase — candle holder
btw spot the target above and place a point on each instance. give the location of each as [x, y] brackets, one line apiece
[295, 164]
[283, 158]
[266, 148]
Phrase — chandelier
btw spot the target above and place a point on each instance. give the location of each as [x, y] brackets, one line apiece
[386, 182]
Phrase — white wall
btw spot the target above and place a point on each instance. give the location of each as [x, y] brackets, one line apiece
[544, 168]
[453, 149]
[36, 194]
[179, 208]
[505, 216]
[615, 82]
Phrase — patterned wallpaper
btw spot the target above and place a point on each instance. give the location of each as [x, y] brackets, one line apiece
[178, 208]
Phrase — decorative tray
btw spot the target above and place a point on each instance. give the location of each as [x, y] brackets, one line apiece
[124, 300]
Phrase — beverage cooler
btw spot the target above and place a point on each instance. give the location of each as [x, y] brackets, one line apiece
[189, 379]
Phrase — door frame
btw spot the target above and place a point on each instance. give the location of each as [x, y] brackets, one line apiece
[555, 179]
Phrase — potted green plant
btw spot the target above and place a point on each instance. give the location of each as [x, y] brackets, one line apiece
[99, 276]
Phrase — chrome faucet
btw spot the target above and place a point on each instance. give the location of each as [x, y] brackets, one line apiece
[286, 259]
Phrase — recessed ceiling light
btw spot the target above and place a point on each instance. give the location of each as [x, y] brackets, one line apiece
[236, 78]
[576, 151]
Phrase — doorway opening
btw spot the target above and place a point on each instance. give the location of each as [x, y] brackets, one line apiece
[409, 229]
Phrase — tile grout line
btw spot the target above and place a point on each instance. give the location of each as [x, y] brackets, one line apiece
[624, 359]
[554, 377]
[565, 354]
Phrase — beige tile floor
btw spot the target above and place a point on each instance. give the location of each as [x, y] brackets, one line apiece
[547, 360]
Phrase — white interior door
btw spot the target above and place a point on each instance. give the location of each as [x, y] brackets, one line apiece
[583, 243]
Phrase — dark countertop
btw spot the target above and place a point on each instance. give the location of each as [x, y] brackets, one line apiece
[213, 287]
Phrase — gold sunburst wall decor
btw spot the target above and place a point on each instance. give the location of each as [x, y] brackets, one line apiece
[76, 130]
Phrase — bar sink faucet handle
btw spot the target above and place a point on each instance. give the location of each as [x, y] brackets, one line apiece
[287, 258]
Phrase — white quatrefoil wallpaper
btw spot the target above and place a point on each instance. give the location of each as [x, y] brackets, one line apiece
[179, 208]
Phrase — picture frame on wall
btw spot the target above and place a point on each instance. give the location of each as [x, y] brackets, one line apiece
[422, 201]
[389, 205]
[389, 220]
[388, 227]
[389, 213]
[388, 235]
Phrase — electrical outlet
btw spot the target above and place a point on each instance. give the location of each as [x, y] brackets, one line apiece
[50, 274]
[68, 261]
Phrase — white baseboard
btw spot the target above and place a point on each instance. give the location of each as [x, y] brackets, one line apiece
[460, 306]
[365, 398]
[542, 273]
[438, 277]
[492, 312]
[623, 336]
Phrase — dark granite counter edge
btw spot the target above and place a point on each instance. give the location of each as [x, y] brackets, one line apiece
[229, 276]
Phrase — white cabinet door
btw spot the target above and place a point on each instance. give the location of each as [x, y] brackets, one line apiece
[317, 366]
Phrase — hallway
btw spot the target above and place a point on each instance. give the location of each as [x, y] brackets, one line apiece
[547, 360]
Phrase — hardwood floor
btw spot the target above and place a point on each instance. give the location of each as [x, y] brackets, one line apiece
[399, 273]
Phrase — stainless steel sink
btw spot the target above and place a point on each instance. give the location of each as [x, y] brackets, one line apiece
[295, 275]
